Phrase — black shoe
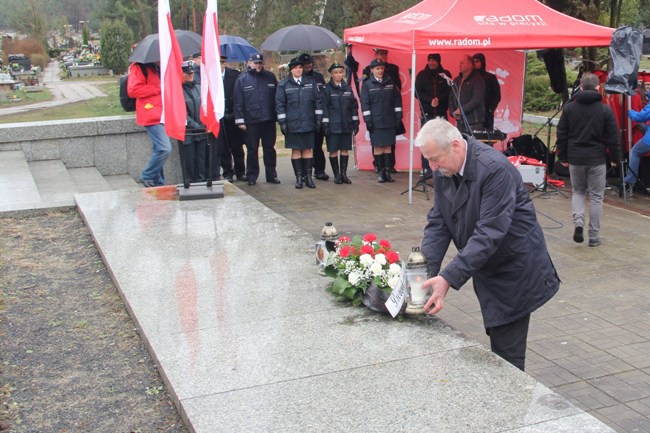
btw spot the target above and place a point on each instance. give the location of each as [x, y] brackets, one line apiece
[241, 178]
[321, 176]
[392, 170]
[275, 180]
[252, 182]
[229, 178]
[594, 242]
[578, 236]
[387, 176]
[147, 183]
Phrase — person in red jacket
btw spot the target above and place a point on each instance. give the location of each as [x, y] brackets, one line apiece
[144, 86]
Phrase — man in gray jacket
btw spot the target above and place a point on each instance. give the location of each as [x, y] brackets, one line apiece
[470, 90]
[482, 205]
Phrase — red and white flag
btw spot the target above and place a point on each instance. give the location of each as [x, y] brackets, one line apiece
[174, 112]
[212, 95]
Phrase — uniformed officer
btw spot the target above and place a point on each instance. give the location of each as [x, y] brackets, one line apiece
[300, 113]
[319, 156]
[193, 148]
[340, 121]
[381, 106]
[391, 70]
[254, 99]
[230, 142]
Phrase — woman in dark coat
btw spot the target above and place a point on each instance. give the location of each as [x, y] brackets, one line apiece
[340, 121]
[381, 104]
[193, 148]
[300, 112]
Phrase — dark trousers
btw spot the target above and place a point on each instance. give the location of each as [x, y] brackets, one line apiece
[229, 150]
[509, 341]
[319, 155]
[265, 133]
[193, 160]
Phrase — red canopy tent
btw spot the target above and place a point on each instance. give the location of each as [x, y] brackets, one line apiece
[501, 30]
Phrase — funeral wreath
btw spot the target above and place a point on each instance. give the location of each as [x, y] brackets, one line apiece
[359, 262]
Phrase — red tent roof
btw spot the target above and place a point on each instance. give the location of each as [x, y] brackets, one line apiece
[458, 24]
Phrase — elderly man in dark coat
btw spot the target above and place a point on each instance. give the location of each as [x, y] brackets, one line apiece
[482, 205]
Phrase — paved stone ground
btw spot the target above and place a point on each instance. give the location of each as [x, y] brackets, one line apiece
[591, 343]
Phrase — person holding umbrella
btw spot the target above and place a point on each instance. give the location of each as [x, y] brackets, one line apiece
[319, 155]
[340, 121]
[193, 147]
[254, 99]
[381, 106]
[300, 113]
[144, 86]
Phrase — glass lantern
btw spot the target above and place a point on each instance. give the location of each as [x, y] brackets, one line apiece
[416, 274]
[326, 245]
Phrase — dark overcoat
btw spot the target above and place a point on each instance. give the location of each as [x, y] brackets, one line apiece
[491, 220]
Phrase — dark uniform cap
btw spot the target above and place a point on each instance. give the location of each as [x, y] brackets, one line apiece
[224, 58]
[195, 55]
[187, 66]
[256, 58]
[434, 56]
[305, 58]
[294, 62]
[376, 63]
[335, 66]
[380, 50]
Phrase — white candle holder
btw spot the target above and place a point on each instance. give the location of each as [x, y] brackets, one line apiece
[416, 274]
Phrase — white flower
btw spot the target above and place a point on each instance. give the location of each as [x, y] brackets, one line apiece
[366, 259]
[381, 259]
[394, 269]
[354, 278]
[392, 281]
[376, 269]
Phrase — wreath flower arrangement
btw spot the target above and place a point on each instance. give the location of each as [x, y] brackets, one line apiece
[358, 262]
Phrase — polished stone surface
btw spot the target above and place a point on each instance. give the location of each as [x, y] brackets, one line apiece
[227, 297]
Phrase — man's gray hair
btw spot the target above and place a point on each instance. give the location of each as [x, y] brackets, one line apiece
[589, 81]
[439, 131]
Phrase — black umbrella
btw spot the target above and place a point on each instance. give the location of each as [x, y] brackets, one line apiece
[148, 51]
[301, 37]
[237, 49]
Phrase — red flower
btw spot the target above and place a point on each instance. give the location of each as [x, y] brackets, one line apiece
[345, 251]
[384, 243]
[369, 237]
[392, 257]
[344, 239]
[367, 249]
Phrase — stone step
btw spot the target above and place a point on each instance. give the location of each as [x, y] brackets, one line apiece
[17, 187]
[53, 181]
[88, 179]
[45, 184]
[122, 181]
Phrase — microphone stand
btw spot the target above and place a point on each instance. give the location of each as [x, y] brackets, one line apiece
[454, 89]
[422, 182]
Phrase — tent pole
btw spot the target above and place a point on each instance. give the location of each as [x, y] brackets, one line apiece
[412, 127]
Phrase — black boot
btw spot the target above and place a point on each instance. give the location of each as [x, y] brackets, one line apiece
[297, 169]
[334, 161]
[308, 165]
[387, 170]
[391, 162]
[344, 169]
[379, 163]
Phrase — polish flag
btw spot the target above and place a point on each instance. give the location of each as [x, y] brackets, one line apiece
[174, 112]
[212, 94]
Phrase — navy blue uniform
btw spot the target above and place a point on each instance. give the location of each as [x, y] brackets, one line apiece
[299, 106]
[254, 99]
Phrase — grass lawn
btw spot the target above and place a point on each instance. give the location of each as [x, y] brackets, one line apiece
[97, 107]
